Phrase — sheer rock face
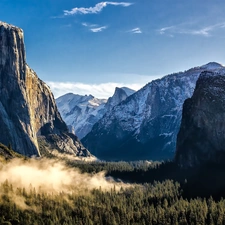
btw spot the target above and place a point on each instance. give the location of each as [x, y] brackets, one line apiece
[119, 95]
[27, 106]
[201, 138]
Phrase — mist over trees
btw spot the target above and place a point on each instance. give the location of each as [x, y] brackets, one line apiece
[158, 203]
[83, 194]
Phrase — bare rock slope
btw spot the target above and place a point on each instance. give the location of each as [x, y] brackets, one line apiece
[28, 111]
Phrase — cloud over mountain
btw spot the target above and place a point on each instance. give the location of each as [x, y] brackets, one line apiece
[103, 90]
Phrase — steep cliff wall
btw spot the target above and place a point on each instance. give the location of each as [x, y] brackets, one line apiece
[15, 121]
[201, 137]
[27, 106]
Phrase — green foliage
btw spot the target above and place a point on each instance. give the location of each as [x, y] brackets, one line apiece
[150, 202]
[113, 167]
[157, 203]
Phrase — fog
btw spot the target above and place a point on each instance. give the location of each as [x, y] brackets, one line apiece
[53, 176]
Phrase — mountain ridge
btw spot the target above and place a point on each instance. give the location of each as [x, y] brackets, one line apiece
[145, 125]
[82, 112]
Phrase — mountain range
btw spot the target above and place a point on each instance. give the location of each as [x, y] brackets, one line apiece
[145, 125]
[81, 112]
[181, 114]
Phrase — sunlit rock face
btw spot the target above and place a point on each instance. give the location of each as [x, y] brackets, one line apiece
[201, 138]
[27, 106]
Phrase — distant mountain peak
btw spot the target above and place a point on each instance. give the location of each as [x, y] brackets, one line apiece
[125, 90]
[82, 112]
[128, 91]
[212, 65]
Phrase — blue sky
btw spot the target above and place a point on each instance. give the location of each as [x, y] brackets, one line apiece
[90, 46]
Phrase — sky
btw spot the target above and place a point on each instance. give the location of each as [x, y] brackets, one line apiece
[92, 46]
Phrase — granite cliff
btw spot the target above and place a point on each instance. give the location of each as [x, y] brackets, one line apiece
[28, 112]
[201, 137]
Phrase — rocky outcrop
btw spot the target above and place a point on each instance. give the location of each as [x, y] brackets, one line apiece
[81, 112]
[201, 138]
[27, 106]
[119, 95]
[146, 124]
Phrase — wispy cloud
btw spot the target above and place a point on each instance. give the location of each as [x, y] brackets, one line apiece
[96, 9]
[164, 29]
[98, 29]
[182, 29]
[85, 24]
[89, 25]
[95, 28]
[136, 30]
[103, 90]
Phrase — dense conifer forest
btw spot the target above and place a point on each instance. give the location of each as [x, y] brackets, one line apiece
[150, 193]
[157, 203]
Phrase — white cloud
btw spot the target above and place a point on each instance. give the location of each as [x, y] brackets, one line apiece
[96, 9]
[136, 30]
[98, 29]
[95, 28]
[89, 25]
[85, 24]
[202, 32]
[164, 29]
[103, 90]
[181, 29]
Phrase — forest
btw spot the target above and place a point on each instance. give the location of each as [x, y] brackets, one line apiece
[110, 193]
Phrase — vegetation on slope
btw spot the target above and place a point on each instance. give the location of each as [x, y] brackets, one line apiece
[7, 153]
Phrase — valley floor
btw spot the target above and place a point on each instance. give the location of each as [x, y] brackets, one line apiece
[150, 194]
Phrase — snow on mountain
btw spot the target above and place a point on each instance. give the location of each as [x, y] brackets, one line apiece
[212, 66]
[146, 124]
[119, 95]
[128, 91]
[81, 112]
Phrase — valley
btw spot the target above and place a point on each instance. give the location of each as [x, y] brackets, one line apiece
[152, 156]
